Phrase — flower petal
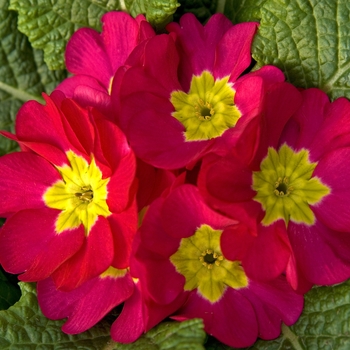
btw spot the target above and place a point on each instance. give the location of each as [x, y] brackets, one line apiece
[29, 244]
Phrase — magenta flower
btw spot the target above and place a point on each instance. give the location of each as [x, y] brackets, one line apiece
[182, 269]
[181, 93]
[87, 304]
[69, 198]
[94, 58]
[295, 192]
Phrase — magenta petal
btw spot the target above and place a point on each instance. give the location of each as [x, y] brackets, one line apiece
[86, 305]
[29, 244]
[274, 302]
[120, 36]
[25, 177]
[233, 51]
[184, 211]
[315, 256]
[68, 85]
[334, 171]
[93, 258]
[130, 324]
[309, 116]
[123, 227]
[268, 257]
[80, 60]
[335, 130]
[231, 320]
[36, 123]
[156, 137]
[229, 180]
[198, 43]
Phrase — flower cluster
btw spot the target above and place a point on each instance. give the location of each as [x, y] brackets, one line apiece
[164, 176]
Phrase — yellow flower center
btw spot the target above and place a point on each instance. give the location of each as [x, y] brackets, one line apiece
[285, 186]
[81, 194]
[200, 261]
[208, 110]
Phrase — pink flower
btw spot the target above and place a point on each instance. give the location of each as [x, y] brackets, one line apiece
[94, 58]
[69, 198]
[292, 195]
[183, 273]
[87, 304]
[181, 94]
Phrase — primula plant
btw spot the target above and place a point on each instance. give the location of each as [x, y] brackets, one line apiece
[181, 182]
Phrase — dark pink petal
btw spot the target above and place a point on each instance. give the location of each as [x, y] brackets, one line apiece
[151, 183]
[335, 130]
[281, 101]
[93, 258]
[229, 180]
[85, 305]
[268, 257]
[140, 314]
[85, 54]
[233, 51]
[274, 302]
[110, 137]
[68, 85]
[120, 35]
[184, 211]
[231, 320]
[77, 127]
[130, 324]
[334, 171]
[309, 117]
[25, 177]
[296, 278]
[123, 226]
[197, 44]
[41, 124]
[145, 31]
[153, 233]
[314, 252]
[156, 137]
[29, 244]
[120, 190]
[236, 240]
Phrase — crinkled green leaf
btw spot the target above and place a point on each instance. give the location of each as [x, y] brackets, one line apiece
[309, 41]
[202, 9]
[243, 10]
[23, 73]
[158, 12]
[49, 24]
[9, 292]
[23, 327]
[323, 325]
[187, 335]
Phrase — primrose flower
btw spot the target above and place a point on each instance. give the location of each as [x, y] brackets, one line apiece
[94, 58]
[182, 92]
[181, 267]
[87, 304]
[300, 186]
[69, 197]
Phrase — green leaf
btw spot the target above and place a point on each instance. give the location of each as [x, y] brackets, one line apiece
[309, 41]
[202, 9]
[187, 335]
[158, 12]
[49, 24]
[243, 10]
[323, 325]
[23, 73]
[23, 327]
[9, 293]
